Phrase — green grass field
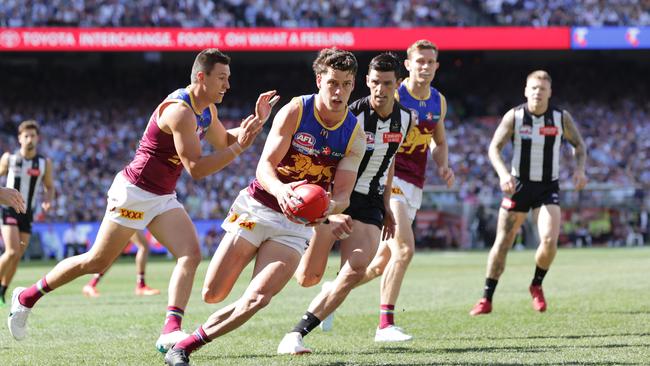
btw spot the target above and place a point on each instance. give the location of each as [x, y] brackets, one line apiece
[599, 314]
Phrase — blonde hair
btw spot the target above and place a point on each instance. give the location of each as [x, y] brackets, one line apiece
[539, 74]
[422, 44]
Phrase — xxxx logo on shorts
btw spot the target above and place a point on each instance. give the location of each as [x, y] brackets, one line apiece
[248, 225]
[131, 215]
[396, 190]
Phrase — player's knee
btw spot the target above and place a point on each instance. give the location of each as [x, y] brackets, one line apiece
[548, 242]
[258, 300]
[308, 279]
[213, 296]
[405, 253]
[354, 274]
[12, 254]
[376, 271]
[192, 259]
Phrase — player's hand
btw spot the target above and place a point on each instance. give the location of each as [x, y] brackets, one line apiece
[264, 105]
[249, 129]
[447, 175]
[46, 205]
[13, 199]
[507, 184]
[389, 225]
[579, 180]
[341, 225]
[288, 199]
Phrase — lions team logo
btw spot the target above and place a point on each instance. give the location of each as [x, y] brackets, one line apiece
[417, 139]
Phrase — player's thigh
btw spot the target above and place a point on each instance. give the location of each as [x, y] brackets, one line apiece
[548, 221]
[361, 246]
[174, 229]
[232, 255]
[274, 267]
[110, 241]
[11, 238]
[404, 239]
[508, 224]
[315, 258]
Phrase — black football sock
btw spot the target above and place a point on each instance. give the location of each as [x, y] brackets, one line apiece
[490, 286]
[539, 276]
[308, 322]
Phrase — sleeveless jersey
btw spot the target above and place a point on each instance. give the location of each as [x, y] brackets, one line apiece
[314, 153]
[383, 138]
[25, 175]
[156, 166]
[412, 156]
[536, 144]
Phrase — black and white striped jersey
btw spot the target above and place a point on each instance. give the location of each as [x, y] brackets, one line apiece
[25, 176]
[536, 144]
[383, 138]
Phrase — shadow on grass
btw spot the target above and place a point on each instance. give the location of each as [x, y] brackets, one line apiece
[576, 336]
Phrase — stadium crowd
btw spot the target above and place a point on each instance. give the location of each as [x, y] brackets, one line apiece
[319, 13]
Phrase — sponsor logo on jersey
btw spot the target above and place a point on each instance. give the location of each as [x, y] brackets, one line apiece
[326, 150]
[248, 225]
[33, 172]
[507, 203]
[392, 137]
[548, 131]
[131, 214]
[526, 132]
[429, 116]
[232, 218]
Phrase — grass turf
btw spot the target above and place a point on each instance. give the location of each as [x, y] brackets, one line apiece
[599, 314]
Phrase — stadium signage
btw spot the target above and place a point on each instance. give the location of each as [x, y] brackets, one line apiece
[279, 39]
[610, 38]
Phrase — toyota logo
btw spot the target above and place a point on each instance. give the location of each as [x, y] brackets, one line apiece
[9, 39]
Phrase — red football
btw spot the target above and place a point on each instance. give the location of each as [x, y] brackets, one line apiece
[315, 203]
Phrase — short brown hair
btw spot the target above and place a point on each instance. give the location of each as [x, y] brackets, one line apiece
[336, 59]
[539, 74]
[30, 124]
[422, 44]
[206, 60]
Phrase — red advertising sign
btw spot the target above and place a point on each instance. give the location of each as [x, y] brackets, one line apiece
[279, 39]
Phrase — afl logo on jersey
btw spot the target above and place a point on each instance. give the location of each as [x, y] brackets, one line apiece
[33, 172]
[370, 141]
[526, 132]
[305, 140]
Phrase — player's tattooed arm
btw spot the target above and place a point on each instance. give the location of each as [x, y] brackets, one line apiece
[502, 136]
[572, 135]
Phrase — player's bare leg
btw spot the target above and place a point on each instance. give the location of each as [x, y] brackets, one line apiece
[141, 256]
[313, 263]
[111, 240]
[15, 245]
[548, 226]
[184, 245]
[274, 267]
[357, 252]
[402, 248]
[378, 265]
[508, 225]
[232, 256]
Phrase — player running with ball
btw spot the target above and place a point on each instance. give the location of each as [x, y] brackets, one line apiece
[313, 138]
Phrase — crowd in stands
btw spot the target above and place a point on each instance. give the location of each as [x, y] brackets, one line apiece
[319, 13]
